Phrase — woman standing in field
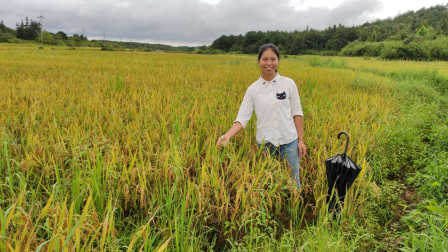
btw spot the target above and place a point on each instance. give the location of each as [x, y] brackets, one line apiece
[276, 102]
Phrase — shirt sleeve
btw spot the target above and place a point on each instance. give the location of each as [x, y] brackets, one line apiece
[296, 107]
[246, 109]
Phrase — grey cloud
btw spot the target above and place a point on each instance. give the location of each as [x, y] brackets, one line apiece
[353, 11]
[181, 21]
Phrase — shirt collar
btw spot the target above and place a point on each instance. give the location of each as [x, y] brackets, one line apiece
[273, 81]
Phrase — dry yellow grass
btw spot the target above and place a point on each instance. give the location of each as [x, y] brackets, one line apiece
[111, 149]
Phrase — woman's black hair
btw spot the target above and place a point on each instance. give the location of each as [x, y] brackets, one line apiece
[265, 47]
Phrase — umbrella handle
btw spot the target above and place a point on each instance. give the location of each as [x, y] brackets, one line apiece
[346, 143]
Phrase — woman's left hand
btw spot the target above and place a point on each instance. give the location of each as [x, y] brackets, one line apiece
[302, 149]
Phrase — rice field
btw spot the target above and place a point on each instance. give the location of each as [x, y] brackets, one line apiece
[116, 151]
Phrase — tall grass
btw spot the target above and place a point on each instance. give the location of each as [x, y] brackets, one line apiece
[116, 151]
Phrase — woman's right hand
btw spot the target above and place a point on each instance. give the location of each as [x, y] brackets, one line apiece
[225, 139]
[222, 140]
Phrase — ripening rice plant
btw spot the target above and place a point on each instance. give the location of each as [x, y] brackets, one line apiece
[116, 150]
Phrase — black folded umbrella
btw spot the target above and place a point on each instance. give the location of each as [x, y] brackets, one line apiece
[341, 173]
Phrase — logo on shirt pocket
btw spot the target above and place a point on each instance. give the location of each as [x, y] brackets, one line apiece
[281, 96]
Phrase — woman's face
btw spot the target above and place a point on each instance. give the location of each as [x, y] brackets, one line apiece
[268, 63]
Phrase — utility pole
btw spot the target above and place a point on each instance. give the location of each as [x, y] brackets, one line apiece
[41, 29]
[83, 37]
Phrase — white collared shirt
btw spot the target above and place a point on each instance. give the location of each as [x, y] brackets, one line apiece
[275, 102]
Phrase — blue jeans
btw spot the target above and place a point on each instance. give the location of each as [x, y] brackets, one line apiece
[291, 152]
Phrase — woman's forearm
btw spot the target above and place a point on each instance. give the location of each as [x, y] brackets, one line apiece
[236, 127]
[298, 121]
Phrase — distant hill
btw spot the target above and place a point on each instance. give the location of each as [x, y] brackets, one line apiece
[419, 35]
[29, 32]
[116, 45]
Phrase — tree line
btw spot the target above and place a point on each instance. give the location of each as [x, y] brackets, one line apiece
[419, 35]
[30, 31]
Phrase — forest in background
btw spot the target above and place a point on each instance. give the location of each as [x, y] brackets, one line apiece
[419, 35]
[414, 35]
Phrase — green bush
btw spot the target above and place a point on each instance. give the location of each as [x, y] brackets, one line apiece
[400, 51]
[414, 49]
[107, 47]
[8, 38]
[365, 49]
[393, 51]
[438, 48]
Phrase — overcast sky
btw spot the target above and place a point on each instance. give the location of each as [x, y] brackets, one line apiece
[197, 22]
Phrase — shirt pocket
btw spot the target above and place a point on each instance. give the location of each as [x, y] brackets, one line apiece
[281, 95]
[282, 98]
